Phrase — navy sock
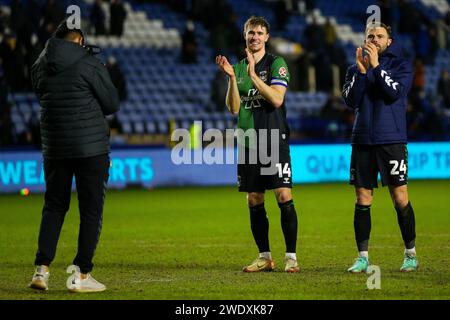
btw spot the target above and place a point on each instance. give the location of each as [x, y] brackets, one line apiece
[289, 225]
[362, 225]
[260, 227]
[407, 224]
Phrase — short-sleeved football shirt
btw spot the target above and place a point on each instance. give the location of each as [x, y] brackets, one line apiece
[255, 112]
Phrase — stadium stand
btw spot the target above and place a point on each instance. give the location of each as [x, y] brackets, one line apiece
[163, 90]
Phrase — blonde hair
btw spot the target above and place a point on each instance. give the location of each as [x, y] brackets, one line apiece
[257, 21]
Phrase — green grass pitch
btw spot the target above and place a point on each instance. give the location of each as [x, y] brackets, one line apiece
[191, 243]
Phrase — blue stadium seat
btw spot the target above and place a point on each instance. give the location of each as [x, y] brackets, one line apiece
[150, 127]
[138, 127]
[126, 127]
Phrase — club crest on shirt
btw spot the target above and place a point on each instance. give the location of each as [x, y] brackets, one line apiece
[263, 75]
[282, 72]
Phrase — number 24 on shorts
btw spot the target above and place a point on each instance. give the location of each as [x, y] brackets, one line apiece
[394, 171]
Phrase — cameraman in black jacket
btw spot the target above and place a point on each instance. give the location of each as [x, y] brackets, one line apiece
[75, 93]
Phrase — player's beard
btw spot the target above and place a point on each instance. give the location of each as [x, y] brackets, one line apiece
[382, 49]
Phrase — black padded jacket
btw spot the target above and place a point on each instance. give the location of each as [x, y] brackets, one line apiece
[75, 93]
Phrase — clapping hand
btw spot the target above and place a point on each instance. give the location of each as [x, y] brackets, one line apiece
[224, 65]
[362, 62]
[372, 52]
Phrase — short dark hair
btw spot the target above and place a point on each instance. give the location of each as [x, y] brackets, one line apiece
[257, 21]
[379, 25]
[63, 31]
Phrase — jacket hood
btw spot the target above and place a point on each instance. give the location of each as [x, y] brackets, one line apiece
[59, 54]
[394, 50]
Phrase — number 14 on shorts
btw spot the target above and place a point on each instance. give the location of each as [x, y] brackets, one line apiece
[284, 170]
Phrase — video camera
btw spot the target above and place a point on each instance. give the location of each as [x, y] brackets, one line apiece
[91, 49]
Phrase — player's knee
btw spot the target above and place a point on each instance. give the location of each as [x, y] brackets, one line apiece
[364, 196]
[254, 202]
[253, 199]
[364, 199]
[284, 197]
[400, 200]
[399, 197]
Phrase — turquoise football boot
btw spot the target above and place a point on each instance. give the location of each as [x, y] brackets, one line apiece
[360, 266]
[410, 264]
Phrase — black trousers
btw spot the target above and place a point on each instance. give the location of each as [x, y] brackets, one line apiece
[91, 177]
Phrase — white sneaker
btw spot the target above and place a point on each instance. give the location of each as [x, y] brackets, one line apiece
[76, 284]
[40, 278]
